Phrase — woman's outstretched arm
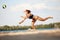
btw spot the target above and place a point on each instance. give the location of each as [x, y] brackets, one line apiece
[24, 18]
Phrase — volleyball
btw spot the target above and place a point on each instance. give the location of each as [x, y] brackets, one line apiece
[4, 6]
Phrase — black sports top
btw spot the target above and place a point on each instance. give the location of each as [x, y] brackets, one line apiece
[31, 16]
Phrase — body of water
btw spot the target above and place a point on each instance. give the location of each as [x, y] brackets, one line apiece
[27, 29]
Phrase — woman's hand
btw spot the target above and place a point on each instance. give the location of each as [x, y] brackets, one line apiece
[24, 18]
[20, 22]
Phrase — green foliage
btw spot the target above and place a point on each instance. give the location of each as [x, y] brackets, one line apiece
[51, 25]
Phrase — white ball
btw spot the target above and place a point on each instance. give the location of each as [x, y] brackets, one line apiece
[4, 6]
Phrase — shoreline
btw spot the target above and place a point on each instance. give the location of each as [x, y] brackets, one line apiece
[27, 32]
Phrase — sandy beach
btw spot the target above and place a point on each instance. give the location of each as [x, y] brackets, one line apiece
[32, 35]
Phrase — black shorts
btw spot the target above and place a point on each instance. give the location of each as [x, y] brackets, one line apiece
[33, 20]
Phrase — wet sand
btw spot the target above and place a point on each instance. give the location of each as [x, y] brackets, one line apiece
[32, 35]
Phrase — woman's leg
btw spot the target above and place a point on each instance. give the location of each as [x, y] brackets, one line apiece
[33, 22]
[42, 19]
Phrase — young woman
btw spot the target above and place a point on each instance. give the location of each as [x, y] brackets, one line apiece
[34, 18]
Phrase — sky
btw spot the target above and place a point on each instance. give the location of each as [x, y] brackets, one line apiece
[43, 8]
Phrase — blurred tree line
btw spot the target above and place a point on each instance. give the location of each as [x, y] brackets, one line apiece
[51, 25]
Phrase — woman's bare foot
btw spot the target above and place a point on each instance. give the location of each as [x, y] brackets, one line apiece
[50, 17]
